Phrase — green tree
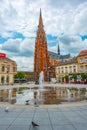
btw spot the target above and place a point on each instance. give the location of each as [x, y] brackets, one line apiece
[20, 75]
[74, 76]
[66, 77]
[83, 76]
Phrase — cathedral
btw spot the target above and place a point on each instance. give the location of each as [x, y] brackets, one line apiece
[45, 60]
[41, 57]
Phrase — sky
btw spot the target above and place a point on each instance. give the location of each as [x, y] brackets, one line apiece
[65, 23]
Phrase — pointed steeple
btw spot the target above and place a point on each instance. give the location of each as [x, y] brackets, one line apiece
[41, 56]
[58, 50]
[40, 20]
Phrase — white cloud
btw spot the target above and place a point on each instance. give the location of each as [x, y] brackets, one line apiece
[65, 16]
[72, 44]
[21, 51]
[24, 63]
[23, 16]
[19, 46]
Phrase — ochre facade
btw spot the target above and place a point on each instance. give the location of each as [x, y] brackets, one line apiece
[8, 68]
[41, 57]
[82, 62]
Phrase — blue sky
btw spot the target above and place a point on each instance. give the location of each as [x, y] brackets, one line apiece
[65, 23]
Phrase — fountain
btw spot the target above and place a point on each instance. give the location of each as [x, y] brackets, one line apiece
[41, 83]
[41, 79]
[69, 94]
[10, 95]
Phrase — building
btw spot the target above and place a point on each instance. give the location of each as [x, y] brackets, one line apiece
[76, 66]
[82, 62]
[8, 69]
[55, 58]
[29, 75]
[41, 57]
[66, 68]
[45, 60]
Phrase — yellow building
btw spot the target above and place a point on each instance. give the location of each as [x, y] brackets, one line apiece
[66, 68]
[8, 69]
[82, 61]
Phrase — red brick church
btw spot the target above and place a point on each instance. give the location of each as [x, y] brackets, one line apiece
[41, 57]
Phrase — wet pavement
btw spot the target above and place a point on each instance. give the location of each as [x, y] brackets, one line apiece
[65, 116]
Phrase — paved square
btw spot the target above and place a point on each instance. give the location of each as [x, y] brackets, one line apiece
[55, 117]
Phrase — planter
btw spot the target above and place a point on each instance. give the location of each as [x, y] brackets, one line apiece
[67, 81]
[74, 82]
[82, 82]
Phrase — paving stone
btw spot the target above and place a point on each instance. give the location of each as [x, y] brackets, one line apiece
[54, 109]
[22, 121]
[60, 122]
[80, 126]
[56, 114]
[77, 119]
[6, 121]
[4, 127]
[70, 114]
[14, 127]
[63, 127]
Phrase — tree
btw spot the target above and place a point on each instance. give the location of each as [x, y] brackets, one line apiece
[66, 77]
[74, 76]
[83, 76]
[20, 75]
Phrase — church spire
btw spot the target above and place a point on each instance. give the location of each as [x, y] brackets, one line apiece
[41, 56]
[40, 20]
[58, 50]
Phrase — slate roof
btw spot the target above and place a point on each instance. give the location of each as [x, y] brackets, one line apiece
[55, 56]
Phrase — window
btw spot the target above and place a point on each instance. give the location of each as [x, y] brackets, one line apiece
[2, 79]
[45, 65]
[85, 59]
[3, 68]
[74, 68]
[8, 69]
[81, 60]
[70, 69]
[62, 69]
[14, 69]
[81, 68]
[7, 79]
[66, 69]
[37, 66]
[86, 68]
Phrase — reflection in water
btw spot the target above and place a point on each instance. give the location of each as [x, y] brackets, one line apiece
[48, 95]
[8, 96]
